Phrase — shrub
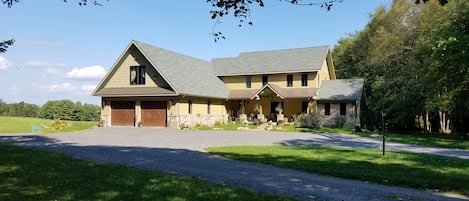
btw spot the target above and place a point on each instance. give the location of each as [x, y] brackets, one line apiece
[58, 125]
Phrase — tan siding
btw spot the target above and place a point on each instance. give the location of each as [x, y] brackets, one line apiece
[121, 76]
[239, 82]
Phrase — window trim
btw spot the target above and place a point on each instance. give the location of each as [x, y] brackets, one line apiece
[327, 109]
[289, 80]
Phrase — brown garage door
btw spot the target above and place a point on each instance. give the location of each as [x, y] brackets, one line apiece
[154, 113]
[122, 113]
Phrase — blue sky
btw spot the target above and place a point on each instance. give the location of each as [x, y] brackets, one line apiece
[62, 50]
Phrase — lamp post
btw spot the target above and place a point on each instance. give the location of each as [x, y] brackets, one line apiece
[383, 114]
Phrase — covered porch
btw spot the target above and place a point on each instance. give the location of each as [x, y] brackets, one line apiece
[270, 103]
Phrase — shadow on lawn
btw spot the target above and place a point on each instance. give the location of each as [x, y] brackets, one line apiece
[40, 175]
[32, 174]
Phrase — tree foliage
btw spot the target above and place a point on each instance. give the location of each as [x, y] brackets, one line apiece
[414, 59]
[59, 109]
[68, 110]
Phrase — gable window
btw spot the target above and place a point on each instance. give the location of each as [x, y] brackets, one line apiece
[190, 106]
[137, 75]
[343, 108]
[289, 80]
[304, 79]
[327, 109]
[265, 79]
[248, 81]
[209, 104]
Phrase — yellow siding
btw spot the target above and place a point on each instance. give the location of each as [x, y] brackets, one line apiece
[323, 74]
[239, 82]
[200, 107]
[291, 107]
[121, 75]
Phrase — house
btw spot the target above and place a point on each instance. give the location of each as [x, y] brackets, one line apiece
[151, 86]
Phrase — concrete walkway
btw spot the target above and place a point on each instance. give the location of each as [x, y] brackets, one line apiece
[181, 152]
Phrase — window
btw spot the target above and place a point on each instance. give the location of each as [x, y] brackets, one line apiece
[343, 108]
[289, 80]
[190, 106]
[248, 81]
[304, 79]
[265, 79]
[137, 75]
[209, 104]
[327, 109]
[304, 107]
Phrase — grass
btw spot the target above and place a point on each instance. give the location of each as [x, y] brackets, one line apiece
[451, 141]
[27, 174]
[420, 171]
[24, 125]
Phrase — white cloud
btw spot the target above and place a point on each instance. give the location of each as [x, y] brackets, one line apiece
[15, 89]
[54, 88]
[5, 63]
[89, 72]
[88, 87]
[38, 63]
[52, 71]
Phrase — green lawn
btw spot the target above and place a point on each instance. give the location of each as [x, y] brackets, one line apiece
[24, 125]
[435, 140]
[27, 174]
[420, 171]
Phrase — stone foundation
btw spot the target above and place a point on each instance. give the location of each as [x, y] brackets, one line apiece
[190, 121]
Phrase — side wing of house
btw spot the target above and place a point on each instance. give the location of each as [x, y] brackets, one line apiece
[338, 102]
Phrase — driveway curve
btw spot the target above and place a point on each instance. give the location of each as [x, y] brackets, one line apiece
[181, 152]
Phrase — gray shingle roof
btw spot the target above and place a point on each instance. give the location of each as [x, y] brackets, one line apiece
[274, 61]
[186, 75]
[343, 89]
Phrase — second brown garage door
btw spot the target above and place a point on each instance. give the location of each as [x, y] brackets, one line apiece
[154, 113]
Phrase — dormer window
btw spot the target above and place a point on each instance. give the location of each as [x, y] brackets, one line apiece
[137, 75]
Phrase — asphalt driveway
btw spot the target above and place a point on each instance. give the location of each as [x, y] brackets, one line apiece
[181, 152]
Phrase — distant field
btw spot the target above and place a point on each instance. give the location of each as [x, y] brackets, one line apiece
[25, 124]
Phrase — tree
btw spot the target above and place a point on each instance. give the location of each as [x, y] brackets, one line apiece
[414, 61]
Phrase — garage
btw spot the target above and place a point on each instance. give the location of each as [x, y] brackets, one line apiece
[154, 113]
[122, 113]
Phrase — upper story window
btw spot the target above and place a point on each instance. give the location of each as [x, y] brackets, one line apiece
[304, 79]
[265, 79]
[190, 107]
[137, 75]
[289, 80]
[248, 81]
[343, 109]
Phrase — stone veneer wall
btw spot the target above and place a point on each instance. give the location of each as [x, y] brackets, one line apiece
[192, 120]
